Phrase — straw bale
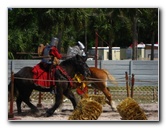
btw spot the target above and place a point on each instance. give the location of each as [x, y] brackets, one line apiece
[130, 110]
[86, 110]
[98, 98]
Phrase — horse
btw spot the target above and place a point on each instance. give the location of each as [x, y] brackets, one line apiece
[24, 87]
[98, 80]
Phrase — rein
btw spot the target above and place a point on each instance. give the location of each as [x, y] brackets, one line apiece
[66, 74]
[96, 79]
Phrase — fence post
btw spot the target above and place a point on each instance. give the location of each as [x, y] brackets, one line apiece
[127, 84]
[11, 114]
[101, 64]
[39, 100]
[132, 85]
[154, 94]
[130, 71]
[130, 67]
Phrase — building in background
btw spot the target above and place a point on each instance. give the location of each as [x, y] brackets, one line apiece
[103, 53]
[143, 52]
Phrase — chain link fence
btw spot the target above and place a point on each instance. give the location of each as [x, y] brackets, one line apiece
[142, 94]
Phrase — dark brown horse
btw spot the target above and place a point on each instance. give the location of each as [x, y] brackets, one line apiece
[24, 87]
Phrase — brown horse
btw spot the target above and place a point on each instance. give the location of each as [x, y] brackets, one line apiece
[98, 80]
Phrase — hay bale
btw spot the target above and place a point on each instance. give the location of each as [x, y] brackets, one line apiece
[98, 98]
[86, 110]
[130, 110]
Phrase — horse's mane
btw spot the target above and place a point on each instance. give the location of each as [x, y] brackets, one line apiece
[70, 61]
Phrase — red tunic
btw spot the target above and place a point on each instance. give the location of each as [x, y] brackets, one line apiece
[54, 52]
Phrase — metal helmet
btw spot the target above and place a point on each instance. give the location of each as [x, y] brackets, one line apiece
[81, 46]
[54, 41]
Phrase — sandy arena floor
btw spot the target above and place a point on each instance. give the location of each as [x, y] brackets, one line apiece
[151, 111]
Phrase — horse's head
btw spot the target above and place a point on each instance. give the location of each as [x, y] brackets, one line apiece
[76, 65]
[81, 66]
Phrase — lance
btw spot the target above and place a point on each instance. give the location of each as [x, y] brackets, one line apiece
[27, 53]
[40, 57]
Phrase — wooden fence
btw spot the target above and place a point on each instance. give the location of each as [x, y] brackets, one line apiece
[146, 76]
[146, 72]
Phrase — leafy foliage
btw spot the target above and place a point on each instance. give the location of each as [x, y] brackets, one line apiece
[28, 27]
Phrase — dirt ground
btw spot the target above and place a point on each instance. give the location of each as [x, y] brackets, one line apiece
[151, 110]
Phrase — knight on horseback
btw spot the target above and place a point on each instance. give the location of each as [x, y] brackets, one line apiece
[50, 59]
[78, 49]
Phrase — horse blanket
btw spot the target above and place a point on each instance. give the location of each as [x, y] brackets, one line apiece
[44, 74]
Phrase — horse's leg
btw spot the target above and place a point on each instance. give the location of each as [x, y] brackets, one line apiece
[109, 97]
[103, 87]
[18, 102]
[58, 101]
[69, 94]
[33, 108]
[26, 99]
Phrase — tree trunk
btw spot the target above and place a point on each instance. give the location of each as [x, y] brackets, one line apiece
[110, 48]
[135, 40]
[85, 33]
[59, 44]
[96, 50]
[152, 47]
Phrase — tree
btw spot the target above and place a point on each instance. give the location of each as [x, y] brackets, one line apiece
[28, 27]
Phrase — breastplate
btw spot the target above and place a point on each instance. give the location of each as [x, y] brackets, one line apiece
[46, 53]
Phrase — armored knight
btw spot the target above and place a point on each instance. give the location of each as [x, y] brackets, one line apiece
[77, 49]
[52, 52]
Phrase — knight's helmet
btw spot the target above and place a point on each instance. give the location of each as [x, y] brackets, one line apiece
[80, 45]
[54, 41]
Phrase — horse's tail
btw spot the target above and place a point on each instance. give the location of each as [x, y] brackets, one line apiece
[111, 78]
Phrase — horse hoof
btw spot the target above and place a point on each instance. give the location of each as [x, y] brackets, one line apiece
[113, 106]
[21, 114]
[38, 114]
[47, 114]
[114, 109]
